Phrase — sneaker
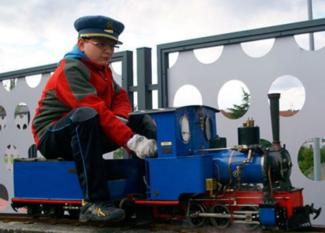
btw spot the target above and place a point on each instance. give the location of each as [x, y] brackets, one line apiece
[100, 211]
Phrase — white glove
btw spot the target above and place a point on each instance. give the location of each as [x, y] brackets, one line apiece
[142, 146]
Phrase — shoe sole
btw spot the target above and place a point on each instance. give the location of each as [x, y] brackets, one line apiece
[84, 219]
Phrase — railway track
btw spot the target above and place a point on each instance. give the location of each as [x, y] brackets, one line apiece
[23, 218]
[69, 224]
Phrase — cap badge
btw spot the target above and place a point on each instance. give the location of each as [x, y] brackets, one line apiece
[109, 28]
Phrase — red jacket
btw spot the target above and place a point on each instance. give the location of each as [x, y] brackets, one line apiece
[77, 83]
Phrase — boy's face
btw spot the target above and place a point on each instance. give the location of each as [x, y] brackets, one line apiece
[99, 50]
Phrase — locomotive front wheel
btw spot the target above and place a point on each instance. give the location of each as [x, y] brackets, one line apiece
[220, 222]
[194, 209]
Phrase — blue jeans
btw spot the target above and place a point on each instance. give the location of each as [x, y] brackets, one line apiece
[79, 137]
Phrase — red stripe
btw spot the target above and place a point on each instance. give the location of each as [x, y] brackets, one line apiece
[25, 200]
[144, 202]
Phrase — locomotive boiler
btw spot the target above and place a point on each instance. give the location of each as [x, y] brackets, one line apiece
[193, 177]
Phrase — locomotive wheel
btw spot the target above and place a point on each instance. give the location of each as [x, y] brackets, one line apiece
[34, 211]
[53, 211]
[58, 211]
[74, 214]
[220, 222]
[250, 226]
[194, 209]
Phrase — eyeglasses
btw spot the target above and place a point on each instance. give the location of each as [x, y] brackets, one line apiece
[102, 45]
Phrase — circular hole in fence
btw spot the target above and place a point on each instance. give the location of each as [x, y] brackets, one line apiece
[172, 58]
[187, 95]
[208, 55]
[234, 99]
[4, 197]
[292, 94]
[22, 116]
[11, 153]
[9, 84]
[258, 48]
[311, 159]
[3, 118]
[33, 80]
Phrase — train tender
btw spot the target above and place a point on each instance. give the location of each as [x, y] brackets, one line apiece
[194, 177]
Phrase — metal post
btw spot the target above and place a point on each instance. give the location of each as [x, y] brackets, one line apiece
[162, 64]
[126, 57]
[310, 17]
[316, 149]
[144, 78]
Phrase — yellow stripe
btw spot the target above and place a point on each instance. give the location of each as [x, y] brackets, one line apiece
[98, 34]
[100, 212]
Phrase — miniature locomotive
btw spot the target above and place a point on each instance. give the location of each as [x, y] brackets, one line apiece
[194, 177]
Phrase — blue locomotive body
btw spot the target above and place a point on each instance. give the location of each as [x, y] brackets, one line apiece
[179, 167]
[239, 184]
[55, 180]
[184, 153]
[171, 177]
[227, 171]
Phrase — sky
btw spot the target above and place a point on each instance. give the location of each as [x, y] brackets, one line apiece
[39, 32]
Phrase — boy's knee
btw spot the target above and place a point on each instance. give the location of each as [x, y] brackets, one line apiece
[83, 114]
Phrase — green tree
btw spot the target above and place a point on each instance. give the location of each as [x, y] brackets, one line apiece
[238, 111]
[306, 160]
[322, 154]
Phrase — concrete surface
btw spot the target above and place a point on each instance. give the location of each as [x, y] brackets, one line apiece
[21, 227]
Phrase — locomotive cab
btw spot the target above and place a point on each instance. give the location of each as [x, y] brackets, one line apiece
[180, 166]
[185, 130]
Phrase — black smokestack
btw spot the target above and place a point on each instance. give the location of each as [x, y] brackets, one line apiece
[275, 118]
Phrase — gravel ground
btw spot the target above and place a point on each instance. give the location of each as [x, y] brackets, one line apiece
[19, 227]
